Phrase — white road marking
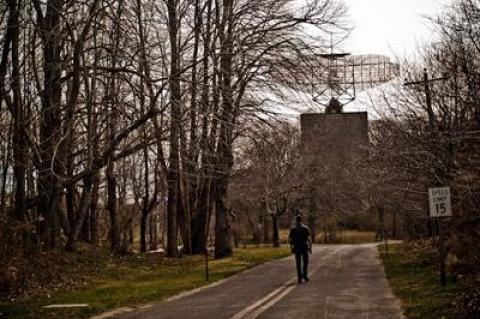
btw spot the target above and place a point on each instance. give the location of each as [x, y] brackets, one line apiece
[259, 307]
[69, 305]
[214, 284]
[264, 300]
[272, 302]
[113, 313]
[119, 311]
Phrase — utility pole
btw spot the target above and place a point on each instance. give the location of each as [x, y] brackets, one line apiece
[442, 250]
[428, 95]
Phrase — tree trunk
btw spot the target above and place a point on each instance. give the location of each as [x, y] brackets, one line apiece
[5, 166]
[173, 179]
[143, 231]
[82, 213]
[394, 225]
[265, 220]
[222, 227]
[224, 149]
[275, 232]
[184, 217]
[70, 204]
[112, 208]
[112, 202]
[19, 138]
[202, 206]
[380, 235]
[50, 128]
[93, 210]
[153, 231]
[199, 223]
[12, 21]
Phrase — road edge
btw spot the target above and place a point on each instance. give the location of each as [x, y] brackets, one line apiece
[181, 295]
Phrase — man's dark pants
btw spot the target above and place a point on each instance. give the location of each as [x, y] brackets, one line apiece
[301, 255]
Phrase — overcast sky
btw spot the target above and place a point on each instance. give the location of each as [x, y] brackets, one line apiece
[390, 27]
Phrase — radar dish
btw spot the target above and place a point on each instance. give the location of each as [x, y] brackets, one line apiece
[342, 76]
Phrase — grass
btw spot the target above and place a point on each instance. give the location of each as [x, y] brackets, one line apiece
[414, 280]
[343, 237]
[352, 237]
[137, 280]
[283, 234]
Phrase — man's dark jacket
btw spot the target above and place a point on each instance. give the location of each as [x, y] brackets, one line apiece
[299, 237]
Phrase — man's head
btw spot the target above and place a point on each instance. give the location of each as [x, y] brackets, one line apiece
[298, 219]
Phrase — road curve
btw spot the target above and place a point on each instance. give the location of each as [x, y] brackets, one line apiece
[347, 282]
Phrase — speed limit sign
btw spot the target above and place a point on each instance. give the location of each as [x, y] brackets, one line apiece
[440, 202]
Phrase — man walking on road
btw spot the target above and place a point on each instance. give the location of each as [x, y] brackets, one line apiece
[299, 240]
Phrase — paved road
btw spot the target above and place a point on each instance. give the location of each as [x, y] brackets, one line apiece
[347, 281]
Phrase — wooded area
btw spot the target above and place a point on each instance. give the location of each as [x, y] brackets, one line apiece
[113, 110]
[427, 136]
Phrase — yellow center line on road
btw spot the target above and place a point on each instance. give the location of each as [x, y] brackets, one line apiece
[259, 307]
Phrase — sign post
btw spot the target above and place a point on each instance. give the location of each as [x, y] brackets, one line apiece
[207, 274]
[440, 204]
